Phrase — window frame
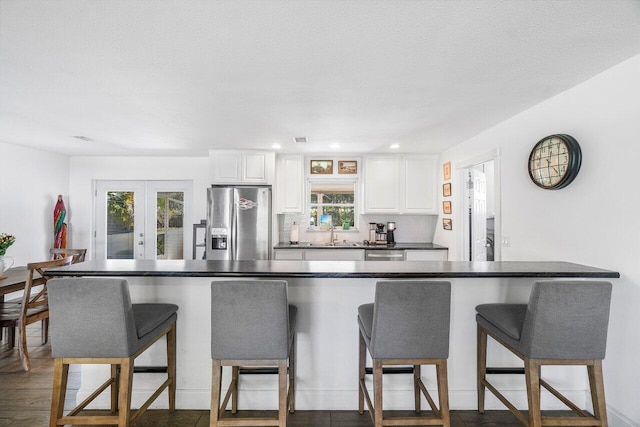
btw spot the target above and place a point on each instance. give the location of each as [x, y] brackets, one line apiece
[355, 181]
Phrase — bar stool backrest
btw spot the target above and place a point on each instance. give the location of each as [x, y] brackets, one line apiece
[567, 320]
[91, 317]
[411, 320]
[249, 320]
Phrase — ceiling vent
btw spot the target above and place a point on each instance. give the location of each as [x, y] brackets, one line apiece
[300, 139]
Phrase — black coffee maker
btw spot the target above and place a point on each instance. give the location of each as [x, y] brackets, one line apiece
[391, 228]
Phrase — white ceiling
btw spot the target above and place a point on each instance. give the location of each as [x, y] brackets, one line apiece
[178, 77]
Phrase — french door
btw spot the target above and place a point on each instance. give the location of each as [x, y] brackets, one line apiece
[143, 219]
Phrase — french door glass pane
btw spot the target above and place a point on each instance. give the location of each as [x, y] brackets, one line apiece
[169, 225]
[120, 222]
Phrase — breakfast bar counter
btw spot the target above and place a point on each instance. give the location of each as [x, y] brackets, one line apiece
[327, 294]
[332, 269]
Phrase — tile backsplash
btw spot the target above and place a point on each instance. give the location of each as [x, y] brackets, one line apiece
[409, 228]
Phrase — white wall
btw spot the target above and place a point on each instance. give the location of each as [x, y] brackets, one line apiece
[83, 170]
[594, 221]
[30, 181]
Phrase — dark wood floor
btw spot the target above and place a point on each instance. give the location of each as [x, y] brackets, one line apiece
[25, 399]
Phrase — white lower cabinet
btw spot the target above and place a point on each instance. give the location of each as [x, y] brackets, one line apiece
[436, 255]
[320, 254]
[352, 255]
[290, 254]
[334, 255]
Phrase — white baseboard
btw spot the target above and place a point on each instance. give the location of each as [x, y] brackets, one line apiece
[616, 419]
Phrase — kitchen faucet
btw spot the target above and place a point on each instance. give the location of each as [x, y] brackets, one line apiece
[331, 237]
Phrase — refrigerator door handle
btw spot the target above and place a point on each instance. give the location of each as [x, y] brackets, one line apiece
[233, 250]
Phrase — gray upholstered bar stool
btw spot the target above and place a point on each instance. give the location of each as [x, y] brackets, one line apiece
[564, 323]
[252, 325]
[408, 324]
[94, 322]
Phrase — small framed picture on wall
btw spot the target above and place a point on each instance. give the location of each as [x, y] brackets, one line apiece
[446, 170]
[446, 189]
[347, 167]
[323, 167]
[447, 223]
[446, 207]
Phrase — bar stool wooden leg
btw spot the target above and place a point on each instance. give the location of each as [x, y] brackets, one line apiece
[216, 385]
[362, 349]
[115, 378]
[235, 378]
[443, 391]
[292, 376]
[416, 387]
[282, 393]
[60, 376]
[532, 373]
[377, 392]
[171, 366]
[596, 384]
[125, 389]
[482, 367]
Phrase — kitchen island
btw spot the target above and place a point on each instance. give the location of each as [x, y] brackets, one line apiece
[327, 294]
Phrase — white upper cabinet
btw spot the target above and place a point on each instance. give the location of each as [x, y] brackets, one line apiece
[400, 184]
[241, 167]
[382, 184]
[290, 181]
[419, 175]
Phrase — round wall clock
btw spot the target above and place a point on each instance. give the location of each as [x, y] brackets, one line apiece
[554, 161]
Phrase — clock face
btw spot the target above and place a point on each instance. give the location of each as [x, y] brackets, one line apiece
[555, 161]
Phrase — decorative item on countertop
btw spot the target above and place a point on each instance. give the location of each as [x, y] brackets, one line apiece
[59, 226]
[295, 233]
[6, 240]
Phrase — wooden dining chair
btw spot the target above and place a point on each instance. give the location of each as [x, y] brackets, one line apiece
[59, 253]
[34, 306]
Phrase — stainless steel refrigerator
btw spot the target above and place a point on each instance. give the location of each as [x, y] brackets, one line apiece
[238, 222]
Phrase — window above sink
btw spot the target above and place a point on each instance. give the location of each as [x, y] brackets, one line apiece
[332, 202]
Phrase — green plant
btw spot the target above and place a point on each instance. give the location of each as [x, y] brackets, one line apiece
[6, 240]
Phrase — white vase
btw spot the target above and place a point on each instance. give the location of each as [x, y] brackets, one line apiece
[5, 263]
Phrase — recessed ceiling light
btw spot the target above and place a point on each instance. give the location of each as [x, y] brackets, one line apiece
[334, 146]
[394, 146]
[276, 146]
[300, 139]
[83, 138]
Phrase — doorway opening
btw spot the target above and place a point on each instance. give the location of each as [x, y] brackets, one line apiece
[142, 219]
[481, 209]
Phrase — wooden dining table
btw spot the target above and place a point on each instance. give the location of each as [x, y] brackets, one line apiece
[16, 280]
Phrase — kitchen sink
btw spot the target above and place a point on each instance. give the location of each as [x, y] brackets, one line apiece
[336, 245]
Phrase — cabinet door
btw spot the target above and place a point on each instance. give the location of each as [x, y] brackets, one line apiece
[382, 184]
[438, 255]
[334, 255]
[419, 179]
[290, 183]
[254, 168]
[291, 254]
[226, 167]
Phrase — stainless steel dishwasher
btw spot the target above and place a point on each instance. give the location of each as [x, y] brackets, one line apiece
[383, 255]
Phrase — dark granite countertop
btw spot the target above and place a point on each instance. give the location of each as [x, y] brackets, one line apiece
[332, 269]
[397, 246]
